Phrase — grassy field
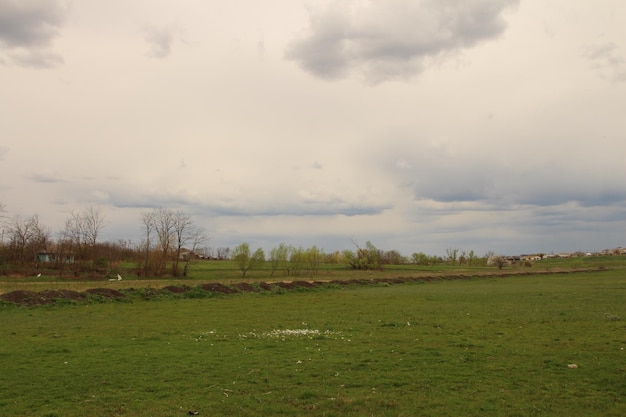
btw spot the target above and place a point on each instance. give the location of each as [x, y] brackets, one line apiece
[484, 346]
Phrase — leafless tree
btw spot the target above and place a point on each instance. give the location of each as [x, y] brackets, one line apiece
[2, 216]
[222, 253]
[26, 238]
[174, 231]
[182, 226]
[80, 236]
[93, 222]
[73, 232]
[149, 225]
[197, 237]
[164, 226]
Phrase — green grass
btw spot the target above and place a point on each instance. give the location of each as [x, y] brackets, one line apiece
[486, 346]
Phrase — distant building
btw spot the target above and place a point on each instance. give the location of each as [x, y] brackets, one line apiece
[50, 257]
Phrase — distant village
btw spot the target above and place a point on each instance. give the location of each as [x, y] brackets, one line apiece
[578, 254]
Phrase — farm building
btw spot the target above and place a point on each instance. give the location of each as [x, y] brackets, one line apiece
[50, 257]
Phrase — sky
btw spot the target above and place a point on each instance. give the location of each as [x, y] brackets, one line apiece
[418, 125]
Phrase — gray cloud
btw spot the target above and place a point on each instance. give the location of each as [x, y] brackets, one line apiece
[37, 58]
[30, 23]
[241, 207]
[607, 60]
[444, 174]
[27, 29]
[160, 41]
[304, 210]
[395, 38]
[46, 179]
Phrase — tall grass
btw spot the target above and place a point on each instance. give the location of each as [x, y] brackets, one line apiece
[489, 346]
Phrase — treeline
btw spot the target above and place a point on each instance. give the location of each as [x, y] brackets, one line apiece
[292, 260]
[170, 242]
[26, 243]
[170, 237]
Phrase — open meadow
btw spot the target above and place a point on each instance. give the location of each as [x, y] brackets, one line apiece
[531, 345]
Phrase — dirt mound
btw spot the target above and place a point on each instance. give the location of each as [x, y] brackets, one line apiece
[390, 280]
[53, 295]
[303, 284]
[350, 282]
[245, 287]
[285, 285]
[106, 292]
[174, 289]
[148, 293]
[21, 297]
[219, 288]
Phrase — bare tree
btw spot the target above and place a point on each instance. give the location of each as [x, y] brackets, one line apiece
[174, 231]
[81, 232]
[182, 226]
[73, 233]
[197, 237]
[148, 227]
[222, 253]
[26, 238]
[164, 225]
[2, 216]
[93, 222]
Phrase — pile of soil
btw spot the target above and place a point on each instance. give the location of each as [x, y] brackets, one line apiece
[219, 288]
[174, 289]
[31, 298]
[245, 287]
[106, 292]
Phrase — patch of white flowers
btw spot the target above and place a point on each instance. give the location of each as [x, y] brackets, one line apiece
[202, 336]
[278, 334]
[285, 333]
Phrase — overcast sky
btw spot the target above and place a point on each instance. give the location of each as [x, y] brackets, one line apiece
[420, 125]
